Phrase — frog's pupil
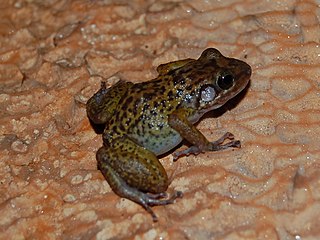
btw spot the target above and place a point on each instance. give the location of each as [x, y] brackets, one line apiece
[225, 81]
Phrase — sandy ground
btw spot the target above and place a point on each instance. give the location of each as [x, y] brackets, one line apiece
[55, 53]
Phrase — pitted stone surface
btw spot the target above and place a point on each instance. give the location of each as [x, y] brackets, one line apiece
[53, 57]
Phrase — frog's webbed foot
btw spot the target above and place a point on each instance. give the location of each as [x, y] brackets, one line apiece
[213, 146]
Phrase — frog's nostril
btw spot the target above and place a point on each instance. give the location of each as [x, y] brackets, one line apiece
[225, 81]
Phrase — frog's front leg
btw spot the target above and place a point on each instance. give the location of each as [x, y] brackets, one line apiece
[135, 173]
[178, 120]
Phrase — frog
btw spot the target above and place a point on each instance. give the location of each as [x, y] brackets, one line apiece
[145, 120]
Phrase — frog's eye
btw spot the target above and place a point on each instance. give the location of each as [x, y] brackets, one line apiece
[225, 80]
[207, 93]
[211, 53]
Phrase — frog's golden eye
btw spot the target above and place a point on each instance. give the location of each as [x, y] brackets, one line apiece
[225, 80]
[208, 93]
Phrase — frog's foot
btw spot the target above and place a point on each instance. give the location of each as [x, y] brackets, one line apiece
[147, 200]
[213, 146]
[218, 144]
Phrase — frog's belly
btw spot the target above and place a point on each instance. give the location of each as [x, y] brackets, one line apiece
[158, 142]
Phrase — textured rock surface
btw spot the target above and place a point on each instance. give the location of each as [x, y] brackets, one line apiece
[54, 55]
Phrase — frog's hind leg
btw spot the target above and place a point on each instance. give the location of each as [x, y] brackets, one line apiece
[135, 173]
[102, 105]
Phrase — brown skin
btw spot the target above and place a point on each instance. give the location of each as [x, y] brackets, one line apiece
[147, 119]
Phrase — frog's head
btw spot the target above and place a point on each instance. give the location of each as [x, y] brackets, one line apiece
[215, 79]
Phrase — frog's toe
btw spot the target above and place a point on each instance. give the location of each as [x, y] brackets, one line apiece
[157, 195]
[236, 144]
[177, 194]
[152, 201]
[186, 152]
[227, 135]
[217, 147]
[218, 144]
[147, 200]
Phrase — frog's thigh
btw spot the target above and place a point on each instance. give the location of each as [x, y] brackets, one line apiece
[103, 104]
[129, 163]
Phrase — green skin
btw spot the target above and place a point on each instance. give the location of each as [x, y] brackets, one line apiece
[148, 119]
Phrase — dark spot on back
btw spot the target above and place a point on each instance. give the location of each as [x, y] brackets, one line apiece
[163, 103]
[128, 121]
[178, 79]
[121, 127]
[170, 95]
[127, 101]
[147, 96]
[153, 112]
[124, 115]
[146, 107]
[162, 90]
[135, 106]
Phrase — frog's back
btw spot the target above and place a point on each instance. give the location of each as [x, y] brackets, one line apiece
[142, 114]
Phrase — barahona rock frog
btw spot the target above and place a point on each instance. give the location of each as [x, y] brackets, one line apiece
[147, 119]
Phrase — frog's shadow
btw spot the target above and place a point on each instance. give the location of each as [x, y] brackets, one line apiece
[232, 103]
[98, 128]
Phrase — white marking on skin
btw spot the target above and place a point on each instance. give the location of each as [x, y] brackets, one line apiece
[208, 94]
